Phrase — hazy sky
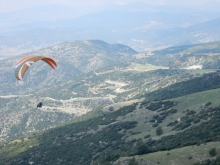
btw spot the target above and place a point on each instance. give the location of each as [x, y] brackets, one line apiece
[10, 5]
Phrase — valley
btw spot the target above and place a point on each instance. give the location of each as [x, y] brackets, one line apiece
[102, 82]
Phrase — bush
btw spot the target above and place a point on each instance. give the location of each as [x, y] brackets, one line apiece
[142, 150]
[182, 126]
[152, 120]
[155, 125]
[196, 120]
[159, 131]
[147, 136]
[207, 104]
[191, 112]
[212, 152]
[111, 109]
[172, 123]
[155, 116]
[172, 111]
[112, 157]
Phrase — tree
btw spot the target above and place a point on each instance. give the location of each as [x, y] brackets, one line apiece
[111, 108]
[212, 152]
[142, 150]
[159, 131]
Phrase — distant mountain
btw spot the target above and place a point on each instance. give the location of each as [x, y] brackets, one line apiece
[200, 33]
[206, 56]
[54, 15]
[138, 25]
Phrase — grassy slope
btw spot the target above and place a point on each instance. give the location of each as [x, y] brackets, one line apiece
[180, 156]
[202, 83]
[140, 114]
[191, 102]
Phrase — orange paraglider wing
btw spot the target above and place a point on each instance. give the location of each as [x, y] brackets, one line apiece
[27, 61]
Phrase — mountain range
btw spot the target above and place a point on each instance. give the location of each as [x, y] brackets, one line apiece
[139, 25]
[159, 109]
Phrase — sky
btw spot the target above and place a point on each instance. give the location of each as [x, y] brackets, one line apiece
[12, 5]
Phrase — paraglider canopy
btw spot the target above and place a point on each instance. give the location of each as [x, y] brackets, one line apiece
[27, 61]
[177, 62]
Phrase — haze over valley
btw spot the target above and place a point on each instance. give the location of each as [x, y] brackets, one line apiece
[143, 26]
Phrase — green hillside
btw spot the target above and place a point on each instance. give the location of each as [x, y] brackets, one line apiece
[205, 82]
[156, 111]
[184, 156]
[61, 103]
[129, 131]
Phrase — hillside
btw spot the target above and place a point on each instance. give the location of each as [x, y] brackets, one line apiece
[120, 83]
[154, 109]
[73, 59]
[62, 102]
[184, 156]
[129, 131]
[199, 56]
[184, 121]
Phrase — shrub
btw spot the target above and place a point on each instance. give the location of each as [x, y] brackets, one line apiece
[212, 152]
[155, 125]
[207, 104]
[152, 120]
[172, 123]
[147, 136]
[190, 112]
[142, 150]
[196, 120]
[159, 131]
[172, 111]
[111, 109]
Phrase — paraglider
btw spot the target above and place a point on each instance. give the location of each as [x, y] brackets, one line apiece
[39, 105]
[27, 61]
[177, 62]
